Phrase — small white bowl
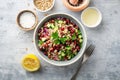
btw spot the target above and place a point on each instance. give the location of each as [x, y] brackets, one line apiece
[18, 20]
[98, 21]
[44, 10]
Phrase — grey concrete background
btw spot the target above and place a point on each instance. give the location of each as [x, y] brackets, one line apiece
[14, 43]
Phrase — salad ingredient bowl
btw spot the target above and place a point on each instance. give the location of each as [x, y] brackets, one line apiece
[65, 62]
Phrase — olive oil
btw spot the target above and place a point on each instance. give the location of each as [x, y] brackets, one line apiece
[90, 17]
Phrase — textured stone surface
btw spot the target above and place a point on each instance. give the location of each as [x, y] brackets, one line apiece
[103, 65]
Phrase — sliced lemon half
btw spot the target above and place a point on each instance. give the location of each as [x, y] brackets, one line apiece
[30, 62]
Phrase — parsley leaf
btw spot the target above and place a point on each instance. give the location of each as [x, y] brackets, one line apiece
[57, 41]
[74, 37]
[63, 40]
[40, 42]
[68, 47]
[55, 35]
[79, 32]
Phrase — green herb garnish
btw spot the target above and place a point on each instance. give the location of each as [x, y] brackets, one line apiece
[79, 32]
[74, 37]
[63, 40]
[55, 35]
[57, 41]
[68, 47]
[40, 42]
[62, 55]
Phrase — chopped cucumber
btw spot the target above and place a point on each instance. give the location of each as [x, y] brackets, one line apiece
[60, 21]
[68, 38]
[79, 32]
[48, 25]
[40, 42]
[57, 41]
[43, 39]
[70, 56]
[51, 25]
[76, 30]
[68, 47]
[80, 36]
[60, 57]
[74, 37]
[55, 28]
[81, 40]
[62, 54]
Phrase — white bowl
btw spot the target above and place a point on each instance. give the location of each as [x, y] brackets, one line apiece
[99, 20]
[47, 9]
[60, 63]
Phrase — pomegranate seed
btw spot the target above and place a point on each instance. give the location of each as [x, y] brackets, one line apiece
[67, 21]
[78, 48]
[62, 28]
[76, 27]
[72, 31]
[51, 49]
[75, 42]
[45, 53]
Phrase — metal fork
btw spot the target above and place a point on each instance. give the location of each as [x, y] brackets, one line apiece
[86, 55]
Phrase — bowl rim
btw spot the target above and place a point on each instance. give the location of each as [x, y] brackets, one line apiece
[72, 61]
[46, 9]
[99, 20]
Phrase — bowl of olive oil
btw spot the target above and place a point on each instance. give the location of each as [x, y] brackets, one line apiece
[91, 17]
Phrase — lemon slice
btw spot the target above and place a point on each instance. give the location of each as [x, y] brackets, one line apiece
[30, 62]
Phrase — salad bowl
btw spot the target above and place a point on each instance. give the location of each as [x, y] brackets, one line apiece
[66, 62]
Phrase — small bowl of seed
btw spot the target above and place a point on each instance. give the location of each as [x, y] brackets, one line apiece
[44, 5]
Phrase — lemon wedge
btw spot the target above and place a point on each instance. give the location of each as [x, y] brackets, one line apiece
[30, 62]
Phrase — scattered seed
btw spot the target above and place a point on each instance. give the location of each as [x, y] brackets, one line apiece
[45, 14]
[26, 49]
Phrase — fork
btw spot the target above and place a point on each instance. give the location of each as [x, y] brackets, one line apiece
[86, 55]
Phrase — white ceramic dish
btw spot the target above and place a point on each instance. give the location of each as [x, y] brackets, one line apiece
[60, 63]
[98, 21]
[44, 10]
